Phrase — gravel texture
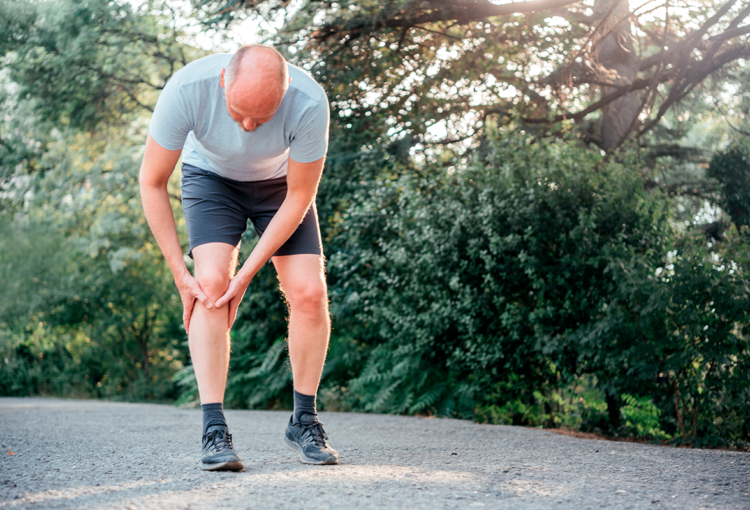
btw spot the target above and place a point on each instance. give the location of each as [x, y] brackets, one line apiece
[89, 454]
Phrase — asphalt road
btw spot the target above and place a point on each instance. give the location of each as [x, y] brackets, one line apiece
[87, 454]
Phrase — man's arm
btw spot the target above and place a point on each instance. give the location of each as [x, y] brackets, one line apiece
[302, 185]
[158, 165]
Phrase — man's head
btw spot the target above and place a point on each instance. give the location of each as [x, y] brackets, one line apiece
[254, 82]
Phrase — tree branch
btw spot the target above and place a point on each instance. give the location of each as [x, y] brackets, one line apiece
[137, 101]
[694, 39]
[694, 75]
[453, 11]
[121, 80]
[740, 131]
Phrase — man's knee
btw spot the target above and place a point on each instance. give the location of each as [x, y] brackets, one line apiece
[309, 298]
[213, 284]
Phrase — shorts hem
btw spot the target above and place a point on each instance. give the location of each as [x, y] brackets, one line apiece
[210, 239]
[285, 253]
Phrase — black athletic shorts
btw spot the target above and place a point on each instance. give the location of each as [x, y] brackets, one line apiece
[217, 209]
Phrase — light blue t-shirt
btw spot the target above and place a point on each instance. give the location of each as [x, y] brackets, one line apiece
[191, 115]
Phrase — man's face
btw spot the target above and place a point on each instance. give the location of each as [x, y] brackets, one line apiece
[250, 108]
[248, 121]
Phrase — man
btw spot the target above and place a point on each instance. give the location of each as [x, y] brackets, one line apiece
[253, 133]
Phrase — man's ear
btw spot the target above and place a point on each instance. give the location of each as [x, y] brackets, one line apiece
[222, 78]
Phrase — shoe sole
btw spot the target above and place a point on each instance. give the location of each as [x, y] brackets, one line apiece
[223, 466]
[304, 458]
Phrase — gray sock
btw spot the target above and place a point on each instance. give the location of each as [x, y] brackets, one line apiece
[213, 414]
[303, 404]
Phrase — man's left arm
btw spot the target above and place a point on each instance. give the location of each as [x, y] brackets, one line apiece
[302, 185]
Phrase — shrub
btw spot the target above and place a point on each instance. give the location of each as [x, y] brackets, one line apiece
[464, 284]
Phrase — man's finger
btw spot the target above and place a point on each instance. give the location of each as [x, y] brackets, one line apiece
[233, 305]
[187, 313]
[225, 298]
[186, 321]
[203, 299]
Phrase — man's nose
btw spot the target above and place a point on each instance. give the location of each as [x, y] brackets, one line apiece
[249, 124]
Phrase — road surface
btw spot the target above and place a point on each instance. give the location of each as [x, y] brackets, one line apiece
[91, 454]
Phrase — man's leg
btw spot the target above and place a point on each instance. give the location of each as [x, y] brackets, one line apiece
[303, 282]
[215, 264]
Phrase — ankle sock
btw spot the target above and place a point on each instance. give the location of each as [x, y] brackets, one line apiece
[303, 404]
[213, 414]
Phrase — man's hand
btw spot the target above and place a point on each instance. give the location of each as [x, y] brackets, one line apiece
[190, 290]
[234, 294]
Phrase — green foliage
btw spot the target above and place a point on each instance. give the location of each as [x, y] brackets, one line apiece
[732, 169]
[401, 68]
[490, 291]
[642, 417]
[80, 262]
[579, 406]
[78, 258]
[462, 279]
[87, 62]
[677, 332]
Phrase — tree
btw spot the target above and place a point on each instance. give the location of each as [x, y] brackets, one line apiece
[421, 63]
[79, 77]
[88, 63]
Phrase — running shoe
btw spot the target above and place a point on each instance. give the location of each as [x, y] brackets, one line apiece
[308, 439]
[218, 452]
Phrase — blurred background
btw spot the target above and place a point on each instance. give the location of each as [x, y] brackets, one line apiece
[533, 214]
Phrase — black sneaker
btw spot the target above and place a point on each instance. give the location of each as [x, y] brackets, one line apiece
[308, 439]
[218, 452]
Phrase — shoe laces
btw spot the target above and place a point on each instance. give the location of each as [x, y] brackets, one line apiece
[218, 440]
[314, 433]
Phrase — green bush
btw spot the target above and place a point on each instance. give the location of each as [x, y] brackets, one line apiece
[88, 307]
[464, 284]
[732, 169]
[642, 417]
[73, 327]
[678, 333]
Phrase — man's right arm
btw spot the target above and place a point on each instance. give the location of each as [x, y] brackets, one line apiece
[158, 165]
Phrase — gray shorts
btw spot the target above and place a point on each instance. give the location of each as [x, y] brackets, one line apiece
[217, 209]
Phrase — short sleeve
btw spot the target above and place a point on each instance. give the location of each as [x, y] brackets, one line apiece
[310, 142]
[171, 122]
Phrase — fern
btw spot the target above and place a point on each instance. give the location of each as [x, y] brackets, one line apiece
[383, 396]
[428, 399]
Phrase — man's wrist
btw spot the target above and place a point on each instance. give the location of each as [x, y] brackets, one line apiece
[181, 273]
[245, 274]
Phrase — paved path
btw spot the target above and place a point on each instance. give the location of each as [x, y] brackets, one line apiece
[87, 454]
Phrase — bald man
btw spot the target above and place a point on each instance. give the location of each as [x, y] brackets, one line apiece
[252, 131]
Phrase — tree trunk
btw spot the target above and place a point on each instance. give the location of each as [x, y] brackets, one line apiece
[144, 356]
[142, 338]
[618, 64]
[695, 419]
[680, 420]
[613, 408]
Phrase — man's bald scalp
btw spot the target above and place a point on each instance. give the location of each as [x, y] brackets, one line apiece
[236, 67]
